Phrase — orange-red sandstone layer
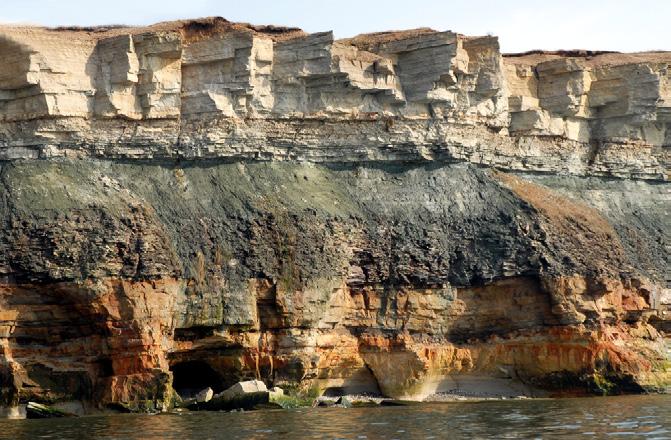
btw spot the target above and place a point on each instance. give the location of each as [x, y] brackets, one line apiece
[114, 340]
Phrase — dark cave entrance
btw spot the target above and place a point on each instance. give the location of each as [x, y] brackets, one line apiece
[190, 377]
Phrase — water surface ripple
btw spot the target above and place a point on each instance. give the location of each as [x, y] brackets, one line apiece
[646, 417]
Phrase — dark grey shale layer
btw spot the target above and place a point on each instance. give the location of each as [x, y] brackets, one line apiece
[408, 214]
[640, 213]
[420, 225]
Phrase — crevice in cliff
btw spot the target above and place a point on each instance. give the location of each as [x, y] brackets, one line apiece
[190, 377]
[661, 324]
[193, 333]
[593, 154]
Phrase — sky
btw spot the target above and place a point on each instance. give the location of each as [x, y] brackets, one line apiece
[521, 25]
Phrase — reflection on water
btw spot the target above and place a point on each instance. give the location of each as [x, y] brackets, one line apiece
[631, 417]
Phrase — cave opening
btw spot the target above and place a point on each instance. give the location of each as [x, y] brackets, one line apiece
[191, 377]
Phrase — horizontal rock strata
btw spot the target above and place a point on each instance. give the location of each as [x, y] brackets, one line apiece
[197, 203]
[212, 89]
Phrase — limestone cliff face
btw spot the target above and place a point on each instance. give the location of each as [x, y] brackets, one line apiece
[197, 202]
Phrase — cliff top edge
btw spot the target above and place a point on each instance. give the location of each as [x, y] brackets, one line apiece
[206, 27]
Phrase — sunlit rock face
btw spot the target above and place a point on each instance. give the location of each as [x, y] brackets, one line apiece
[200, 202]
[213, 89]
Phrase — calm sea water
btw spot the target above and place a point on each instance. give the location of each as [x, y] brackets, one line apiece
[608, 417]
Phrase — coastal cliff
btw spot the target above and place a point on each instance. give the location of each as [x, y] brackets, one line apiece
[199, 202]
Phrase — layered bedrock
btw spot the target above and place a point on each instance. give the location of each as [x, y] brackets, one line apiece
[196, 203]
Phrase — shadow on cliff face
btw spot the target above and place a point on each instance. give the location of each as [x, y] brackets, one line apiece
[190, 377]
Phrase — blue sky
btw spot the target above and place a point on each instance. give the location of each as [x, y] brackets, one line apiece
[626, 25]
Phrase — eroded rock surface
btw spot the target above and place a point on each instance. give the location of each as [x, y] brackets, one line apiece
[213, 89]
[199, 203]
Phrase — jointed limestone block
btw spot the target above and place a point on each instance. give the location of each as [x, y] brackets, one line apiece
[213, 89]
